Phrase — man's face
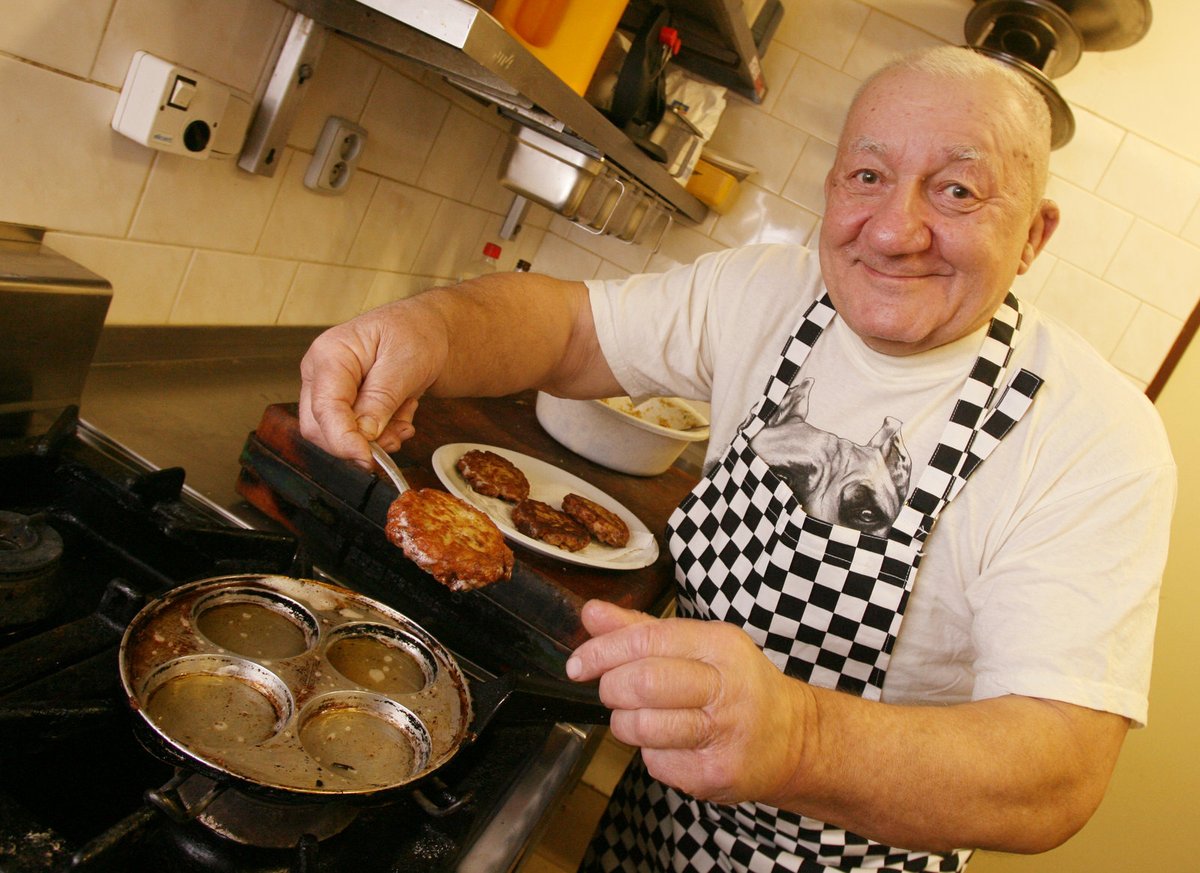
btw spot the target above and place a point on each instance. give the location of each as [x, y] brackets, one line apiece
[929, 211]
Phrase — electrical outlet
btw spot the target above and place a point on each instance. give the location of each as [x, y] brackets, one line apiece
[336, 156]
[170, 108]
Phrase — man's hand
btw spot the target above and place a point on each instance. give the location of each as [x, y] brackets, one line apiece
[361, 381]
[492, 336]
[717, 720]
[712, 715]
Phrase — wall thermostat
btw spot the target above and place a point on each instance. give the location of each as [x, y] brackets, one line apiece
[168, 107]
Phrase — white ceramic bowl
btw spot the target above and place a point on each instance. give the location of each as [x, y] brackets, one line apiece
[643, 441]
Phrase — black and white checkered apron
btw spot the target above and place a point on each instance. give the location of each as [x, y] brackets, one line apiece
[824, 603]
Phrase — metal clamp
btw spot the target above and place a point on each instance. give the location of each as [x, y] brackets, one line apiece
[272, 123]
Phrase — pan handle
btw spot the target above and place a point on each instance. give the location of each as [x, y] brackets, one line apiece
[534, 698]
[185, 796]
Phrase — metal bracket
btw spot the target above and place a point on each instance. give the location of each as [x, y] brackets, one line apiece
[515, 217]
[272, 123]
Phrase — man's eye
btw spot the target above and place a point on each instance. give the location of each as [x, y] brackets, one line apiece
[867, 177]
[960, 192]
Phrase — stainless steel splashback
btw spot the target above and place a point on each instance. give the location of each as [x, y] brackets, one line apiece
[51, 313]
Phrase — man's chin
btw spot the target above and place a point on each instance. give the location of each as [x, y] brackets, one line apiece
[894, 335]
[897, 348]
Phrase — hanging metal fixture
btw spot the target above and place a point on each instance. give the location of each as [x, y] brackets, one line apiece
[1044, 39]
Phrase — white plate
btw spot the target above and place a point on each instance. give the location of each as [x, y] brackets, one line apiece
[549, 484]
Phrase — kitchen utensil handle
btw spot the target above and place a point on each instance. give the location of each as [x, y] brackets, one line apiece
[384, 460]
[534, 698]
[608, 217]
[663, 235]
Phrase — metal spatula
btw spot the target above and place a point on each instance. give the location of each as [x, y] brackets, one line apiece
[384, 460]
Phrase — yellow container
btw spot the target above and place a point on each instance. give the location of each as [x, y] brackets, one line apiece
[568, 36]
[713, 187]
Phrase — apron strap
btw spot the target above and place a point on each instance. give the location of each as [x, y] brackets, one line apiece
[817, 317]
[976, 425]
[987, 373]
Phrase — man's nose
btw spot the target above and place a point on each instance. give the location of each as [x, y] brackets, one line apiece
[900, 222]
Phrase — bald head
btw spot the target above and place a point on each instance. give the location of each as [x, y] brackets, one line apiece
[1024, 110]
[934, 201]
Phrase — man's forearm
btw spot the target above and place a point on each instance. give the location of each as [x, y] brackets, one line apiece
[509, 332]
[1014, 773]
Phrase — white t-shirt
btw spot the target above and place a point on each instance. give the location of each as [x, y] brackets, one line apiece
[1041, 578]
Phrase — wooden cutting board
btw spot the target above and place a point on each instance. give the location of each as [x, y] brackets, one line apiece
[543, 586]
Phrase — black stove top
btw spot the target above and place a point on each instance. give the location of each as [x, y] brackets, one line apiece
[89, 534]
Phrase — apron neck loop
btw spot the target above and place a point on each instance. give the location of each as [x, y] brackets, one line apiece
[987, 408]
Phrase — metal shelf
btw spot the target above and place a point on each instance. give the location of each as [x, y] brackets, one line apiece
[474, 52]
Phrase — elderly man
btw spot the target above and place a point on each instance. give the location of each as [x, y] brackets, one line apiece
[884, 407]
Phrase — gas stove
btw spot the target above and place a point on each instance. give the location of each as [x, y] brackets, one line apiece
[89, 533]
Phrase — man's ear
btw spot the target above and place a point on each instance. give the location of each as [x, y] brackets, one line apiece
[1044, 223]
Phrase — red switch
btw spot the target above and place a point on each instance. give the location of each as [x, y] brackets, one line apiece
[669, 37]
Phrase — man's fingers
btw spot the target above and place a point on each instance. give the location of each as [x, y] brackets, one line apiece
[329, 385]
[622, 635]
[349, 395]
[684, 729]
[400, 428]
[333, 427]
[378, 401]
[660, 683]
[604, 621]
[601, 617]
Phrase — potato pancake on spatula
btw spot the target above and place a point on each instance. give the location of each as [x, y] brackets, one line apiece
[449, 539]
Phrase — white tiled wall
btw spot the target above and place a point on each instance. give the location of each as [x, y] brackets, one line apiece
[1124, 267]
[202, 242]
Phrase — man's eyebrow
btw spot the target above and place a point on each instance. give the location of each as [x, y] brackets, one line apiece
[867, 144]
[955, 152]
[964, 153]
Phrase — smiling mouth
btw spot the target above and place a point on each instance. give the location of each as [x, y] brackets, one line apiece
[899, 276]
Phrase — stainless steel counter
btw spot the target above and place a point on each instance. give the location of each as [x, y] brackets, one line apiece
[189, 397]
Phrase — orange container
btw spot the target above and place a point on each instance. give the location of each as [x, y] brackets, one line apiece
[568, 36]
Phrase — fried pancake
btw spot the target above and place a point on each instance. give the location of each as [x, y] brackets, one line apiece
[543, 522]
[449, 539]
[604, 525]
[493, 475]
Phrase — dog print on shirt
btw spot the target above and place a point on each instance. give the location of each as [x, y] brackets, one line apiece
[836, 480]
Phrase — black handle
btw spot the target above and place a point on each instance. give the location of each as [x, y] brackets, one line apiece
[534, 698]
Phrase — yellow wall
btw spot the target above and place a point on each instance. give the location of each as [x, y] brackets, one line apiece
[1151, 817]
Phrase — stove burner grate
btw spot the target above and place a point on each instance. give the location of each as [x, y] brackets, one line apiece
[30, 555]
